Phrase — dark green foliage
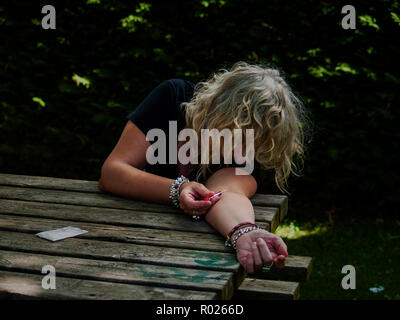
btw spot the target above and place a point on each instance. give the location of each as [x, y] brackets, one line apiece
[117, 51]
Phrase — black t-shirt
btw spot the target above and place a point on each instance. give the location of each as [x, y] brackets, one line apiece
[157, 109]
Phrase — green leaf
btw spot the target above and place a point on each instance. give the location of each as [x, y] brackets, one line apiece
[328, 104]
[143, 7]
[39, 101]
[313, 52]
[36, 22]
[395, 18]
[367, 20]
[81, 81]
[345, 67]
[113, 104]
[130, 21]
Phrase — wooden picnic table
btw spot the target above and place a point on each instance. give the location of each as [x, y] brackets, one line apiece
[132, 250]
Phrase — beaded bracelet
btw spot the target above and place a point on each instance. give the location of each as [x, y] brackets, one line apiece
[228, 237]
[175, 189]
[242, 232]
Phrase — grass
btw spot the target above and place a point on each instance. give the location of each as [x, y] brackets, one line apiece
[370, 245]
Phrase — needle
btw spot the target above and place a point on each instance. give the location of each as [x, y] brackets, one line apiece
[217, 194]
[196, 217]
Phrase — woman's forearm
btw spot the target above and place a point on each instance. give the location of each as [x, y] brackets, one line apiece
[123, 179]
[232, 209]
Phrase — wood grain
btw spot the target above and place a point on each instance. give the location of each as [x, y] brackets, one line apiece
[116, 251]
[297, 268]
[29, 206]
[279, 201]
[133, 250]
[122, 272]
[155, 237]
[82, 198]
[18, 285]
[258, 289]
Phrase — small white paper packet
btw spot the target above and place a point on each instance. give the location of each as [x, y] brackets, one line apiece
[60, 234]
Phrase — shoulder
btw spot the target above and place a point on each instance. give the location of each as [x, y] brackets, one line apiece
[180, 90]
[171, 90]
[178, 84]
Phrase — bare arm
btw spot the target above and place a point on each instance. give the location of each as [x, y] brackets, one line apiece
[122, 172]
[234, 206]
[256, 248]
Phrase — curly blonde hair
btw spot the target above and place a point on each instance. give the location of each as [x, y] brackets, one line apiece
[252, 96]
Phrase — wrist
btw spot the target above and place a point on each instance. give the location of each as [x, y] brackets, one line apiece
[175, 189]
[184, 185]
[241, 232]
[238, 231]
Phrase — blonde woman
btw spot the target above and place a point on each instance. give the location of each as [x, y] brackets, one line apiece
[245, 97]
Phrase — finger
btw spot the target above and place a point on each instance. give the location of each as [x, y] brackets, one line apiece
[280, 246]
[280, 261]
[243, 261]
[192, 210]
[203, 191]
[265, 253]
[250, 264]
[215, 200]
[196, 204]
[257, 257]
[199, 207]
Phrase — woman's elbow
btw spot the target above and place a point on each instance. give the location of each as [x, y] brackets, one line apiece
[105, 176]
[101, 186]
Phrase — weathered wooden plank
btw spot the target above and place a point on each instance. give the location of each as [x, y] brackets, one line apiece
[29, 205]
[279, 201]
[109, 216]
[114, 271]
[17, 180]
[82, 198]
[259, 289]
[23, 285]
[268, 200]
[127, 252]
[156, 237]
[297, 268]
[269, 215]
[36, 196]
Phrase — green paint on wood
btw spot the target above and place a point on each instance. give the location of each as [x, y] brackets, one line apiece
[179, 274]
[209, 259]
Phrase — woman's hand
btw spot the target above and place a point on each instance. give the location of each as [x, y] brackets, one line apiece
[259, 248]
[191, 198]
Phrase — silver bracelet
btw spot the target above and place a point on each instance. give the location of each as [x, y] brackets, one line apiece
[239, 234]
[175, 189]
